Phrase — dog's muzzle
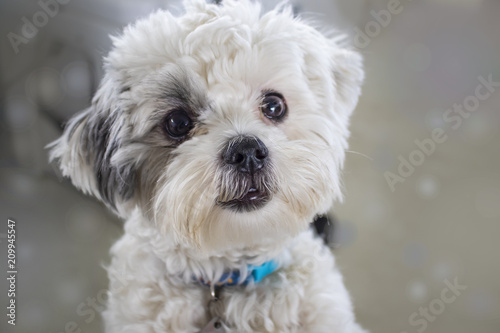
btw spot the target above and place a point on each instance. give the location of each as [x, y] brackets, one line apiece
[246, 158]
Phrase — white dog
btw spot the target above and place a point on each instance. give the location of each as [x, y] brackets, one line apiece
[219, 136]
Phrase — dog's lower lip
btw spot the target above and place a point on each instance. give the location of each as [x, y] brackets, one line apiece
[252, 200]
[253, 194]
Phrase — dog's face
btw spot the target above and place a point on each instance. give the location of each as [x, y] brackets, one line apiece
[223, 127]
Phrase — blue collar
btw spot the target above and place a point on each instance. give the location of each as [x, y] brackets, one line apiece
[255, 274]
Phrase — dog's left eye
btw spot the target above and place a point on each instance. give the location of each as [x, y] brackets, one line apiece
[178, 124]
[273, 106]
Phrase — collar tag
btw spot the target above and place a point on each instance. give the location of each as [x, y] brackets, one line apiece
[214, 326]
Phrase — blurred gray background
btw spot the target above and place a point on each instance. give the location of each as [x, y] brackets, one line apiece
[400, 246]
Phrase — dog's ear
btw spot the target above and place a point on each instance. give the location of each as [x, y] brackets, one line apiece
[348, 77]
[85, 150]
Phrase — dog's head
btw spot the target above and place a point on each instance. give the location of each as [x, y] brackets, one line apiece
[225, 127]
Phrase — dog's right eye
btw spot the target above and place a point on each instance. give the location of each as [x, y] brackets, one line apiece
[178, 124]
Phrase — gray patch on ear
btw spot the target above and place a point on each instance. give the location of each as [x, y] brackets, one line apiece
[100, 144]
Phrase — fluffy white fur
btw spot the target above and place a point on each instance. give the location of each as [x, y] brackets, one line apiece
[218, 60]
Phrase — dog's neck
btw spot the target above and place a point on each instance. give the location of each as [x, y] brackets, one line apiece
[187, 262]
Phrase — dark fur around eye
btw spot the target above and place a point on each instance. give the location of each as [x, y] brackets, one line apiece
[177, 124]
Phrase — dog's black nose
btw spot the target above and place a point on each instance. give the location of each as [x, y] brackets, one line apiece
[248, 154]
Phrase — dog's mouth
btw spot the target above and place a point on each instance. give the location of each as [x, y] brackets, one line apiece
[253, 199]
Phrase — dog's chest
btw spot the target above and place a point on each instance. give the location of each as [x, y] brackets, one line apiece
[160, 302]
[262, 309]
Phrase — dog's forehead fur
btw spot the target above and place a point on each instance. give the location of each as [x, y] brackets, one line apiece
[228, 55]
[209, 36]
